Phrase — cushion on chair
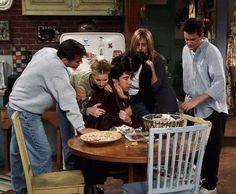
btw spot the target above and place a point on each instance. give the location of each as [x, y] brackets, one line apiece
[58, 180]
[61, 182]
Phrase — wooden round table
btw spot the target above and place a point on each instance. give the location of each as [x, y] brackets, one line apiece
[122, 151]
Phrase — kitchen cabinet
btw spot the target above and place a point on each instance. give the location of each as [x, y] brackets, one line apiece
[70, 7]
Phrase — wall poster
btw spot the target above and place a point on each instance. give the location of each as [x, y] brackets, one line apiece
[4, 31]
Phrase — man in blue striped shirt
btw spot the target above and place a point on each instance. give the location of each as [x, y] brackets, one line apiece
[205, 88]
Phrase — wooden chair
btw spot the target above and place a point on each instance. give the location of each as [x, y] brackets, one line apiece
[64, 182]
[49, 116]
[175, 159]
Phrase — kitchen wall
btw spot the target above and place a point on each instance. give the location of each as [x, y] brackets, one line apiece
[23, 29]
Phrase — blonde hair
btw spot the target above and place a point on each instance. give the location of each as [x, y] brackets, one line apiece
[100, 66]
[143, 33]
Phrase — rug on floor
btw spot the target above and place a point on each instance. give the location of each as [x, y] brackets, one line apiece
[5, 183]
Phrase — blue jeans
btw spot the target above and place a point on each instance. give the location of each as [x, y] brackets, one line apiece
[67, 132]
[39, 150]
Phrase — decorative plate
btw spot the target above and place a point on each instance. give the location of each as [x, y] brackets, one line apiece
[123, 129]
[101, 137]
[139, 137]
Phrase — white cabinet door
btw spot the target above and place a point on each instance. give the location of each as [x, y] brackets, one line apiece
[93, 7]
[46, 7]
[69, 7]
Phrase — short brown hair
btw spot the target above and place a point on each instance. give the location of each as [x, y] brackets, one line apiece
[193, 25]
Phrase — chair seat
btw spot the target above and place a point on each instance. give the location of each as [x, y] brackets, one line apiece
[60, 182]
[141, 188]
[54, 182]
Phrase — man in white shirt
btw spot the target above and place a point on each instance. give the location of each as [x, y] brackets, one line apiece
[204, 85]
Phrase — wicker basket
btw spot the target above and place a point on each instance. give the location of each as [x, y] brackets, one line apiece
[156, 121]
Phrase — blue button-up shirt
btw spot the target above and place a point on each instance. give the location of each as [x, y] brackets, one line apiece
[203, 72]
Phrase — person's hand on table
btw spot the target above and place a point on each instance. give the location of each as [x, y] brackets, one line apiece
[87, 130]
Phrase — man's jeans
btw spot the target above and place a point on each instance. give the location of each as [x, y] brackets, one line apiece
[39, 150]
[67, 132]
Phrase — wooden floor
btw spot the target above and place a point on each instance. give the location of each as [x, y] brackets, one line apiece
[227, 170]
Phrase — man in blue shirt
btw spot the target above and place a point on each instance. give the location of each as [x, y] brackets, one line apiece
[204, 85]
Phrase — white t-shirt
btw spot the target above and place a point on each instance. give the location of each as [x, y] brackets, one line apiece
[135, 82]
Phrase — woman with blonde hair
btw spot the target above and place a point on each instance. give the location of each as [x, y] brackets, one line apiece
[143, 33]
[150, 91]
[118, 110]
[85, 83]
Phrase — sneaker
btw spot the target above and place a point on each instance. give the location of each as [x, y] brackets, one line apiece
[205, 191]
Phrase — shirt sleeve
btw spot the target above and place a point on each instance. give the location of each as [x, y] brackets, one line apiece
[216, 73]
[64, 94]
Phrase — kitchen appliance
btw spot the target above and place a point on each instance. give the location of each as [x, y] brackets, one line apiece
[105, 45]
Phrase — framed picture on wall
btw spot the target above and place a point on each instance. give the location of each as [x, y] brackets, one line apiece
[48, 34]
[4, 30]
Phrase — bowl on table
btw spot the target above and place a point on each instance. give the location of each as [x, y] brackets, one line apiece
[162, 121]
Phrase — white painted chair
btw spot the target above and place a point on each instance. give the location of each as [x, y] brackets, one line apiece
[175, 159]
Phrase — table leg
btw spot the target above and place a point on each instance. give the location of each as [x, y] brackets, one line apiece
[130, 173]
[6, 150]
[58, 149]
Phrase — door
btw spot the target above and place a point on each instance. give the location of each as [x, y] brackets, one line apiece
[168, 40]
[158, 19]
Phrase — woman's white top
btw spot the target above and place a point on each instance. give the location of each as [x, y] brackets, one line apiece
[135, 82]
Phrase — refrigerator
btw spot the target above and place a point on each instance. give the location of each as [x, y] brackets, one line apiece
[104, 45]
